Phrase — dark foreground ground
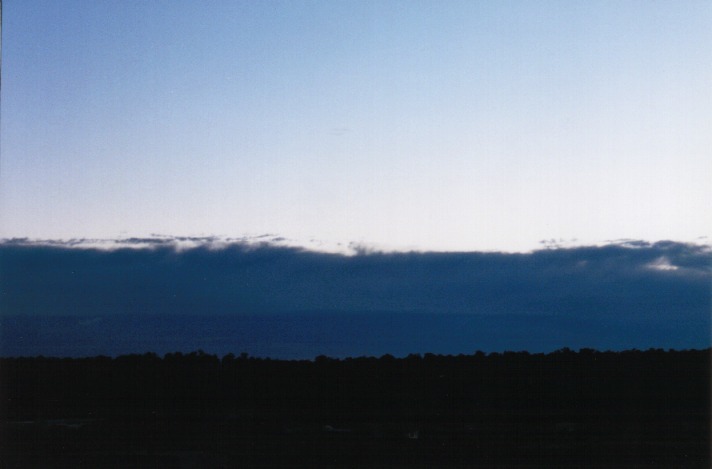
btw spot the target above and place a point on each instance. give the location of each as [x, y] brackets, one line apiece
[564, 409]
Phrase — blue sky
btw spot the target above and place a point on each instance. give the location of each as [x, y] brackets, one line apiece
[430, 125]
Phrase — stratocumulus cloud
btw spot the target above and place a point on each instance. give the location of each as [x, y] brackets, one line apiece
[90, 297]
[662, 281]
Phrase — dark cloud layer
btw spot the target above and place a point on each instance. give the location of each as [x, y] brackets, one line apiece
[665, 281]
[90, 297]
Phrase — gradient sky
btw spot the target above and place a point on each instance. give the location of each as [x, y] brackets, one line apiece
[431, 125]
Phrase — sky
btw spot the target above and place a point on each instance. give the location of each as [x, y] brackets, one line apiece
[430, 126]
[295, 178]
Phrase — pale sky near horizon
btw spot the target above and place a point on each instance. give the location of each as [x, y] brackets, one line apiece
[457, 125]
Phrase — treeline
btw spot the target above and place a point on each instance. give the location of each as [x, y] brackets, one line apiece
[499, 408]
[565, 380]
